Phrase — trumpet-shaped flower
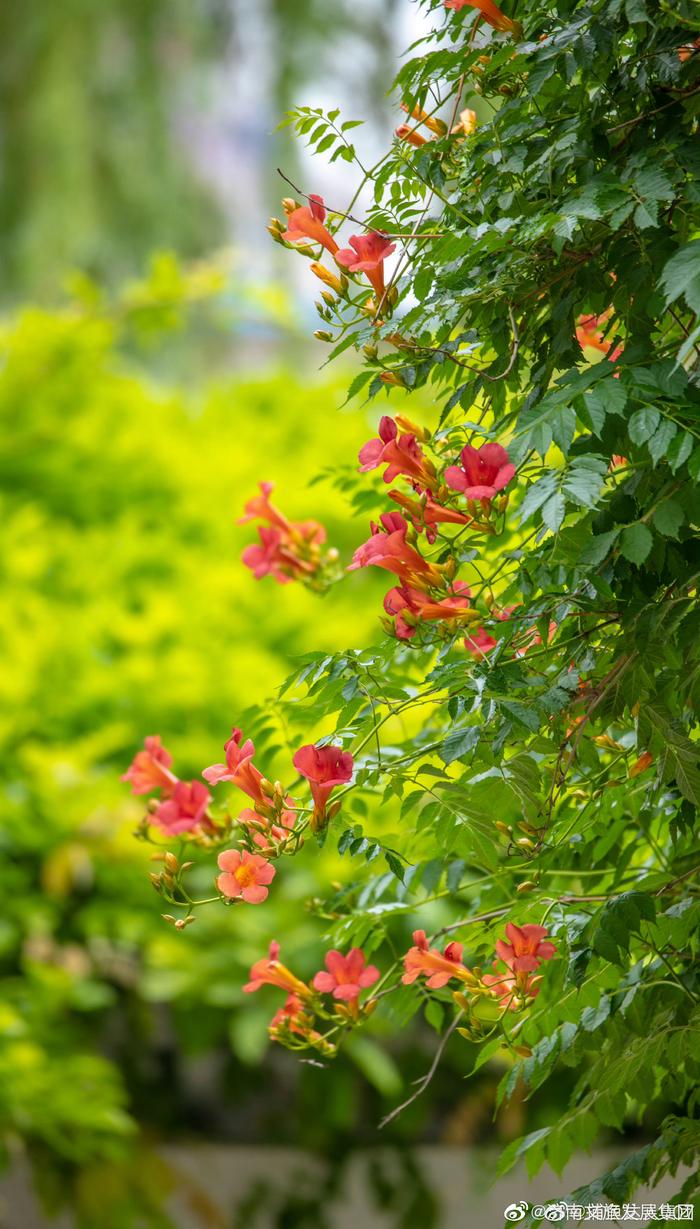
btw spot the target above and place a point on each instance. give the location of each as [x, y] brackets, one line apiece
[490, 13]
[367, 254]
[438, 126]
[287, 550]
[483, 473]
[527, 948]
[185, 810]
[271, 972]
[387, 548]
[346, 976]
[413, 606]
[407, 133]
[401, 453]
[426, 514]
[244, 874]
[306, 223]
[468, 123]
[439, 967]
[239, 769]
[324, 769]
[150, 769]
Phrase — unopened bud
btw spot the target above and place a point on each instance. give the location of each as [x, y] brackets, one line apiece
[182, 922]
[322, 335]
[504, 828]
[289, 205]
[328, 278]
[450, 567]
[171, 862]
[369, 1007]
[407, 424]
[276, 235]
[276, 225]
[524, 842]
[328, 298]
[168, 918]
[393, 377]
[155, 880]
[370, 350]
[526, 886]
[333, 810]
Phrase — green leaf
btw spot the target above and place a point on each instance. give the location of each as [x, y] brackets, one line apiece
[459, 743]
[635, 543]
[681, 276]
[668, 518]
[599, 548]
[643, 424]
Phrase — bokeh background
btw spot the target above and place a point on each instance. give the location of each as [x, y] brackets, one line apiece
[154, 366]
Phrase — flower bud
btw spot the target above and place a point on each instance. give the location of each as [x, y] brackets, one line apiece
[393, 377]
[171, 862]
[276, 235]
[328, 298]
[406, 424]
[333, 811]
[155, 880]
[275, 225]
[370, 350]
[167, 917]
[524, 842]
[289, 205]
[435, 125]
[322, 335]
[526, 886]
[330, 279]
[504, 828]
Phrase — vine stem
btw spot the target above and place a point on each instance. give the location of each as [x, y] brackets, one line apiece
[426, 1079]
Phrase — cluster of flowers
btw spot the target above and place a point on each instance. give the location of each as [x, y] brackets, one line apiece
[365, 254]
[296, 1024]
[272, 825]
[287, 550]
[429, 591]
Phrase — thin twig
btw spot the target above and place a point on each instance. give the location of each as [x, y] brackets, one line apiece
[426, 1079]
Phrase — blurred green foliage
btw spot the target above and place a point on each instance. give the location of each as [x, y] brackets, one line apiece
[126, 609]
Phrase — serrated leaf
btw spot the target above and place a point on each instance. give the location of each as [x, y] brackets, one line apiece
[668, 518]
[643, 424]
[635, 543]
[681, 276]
